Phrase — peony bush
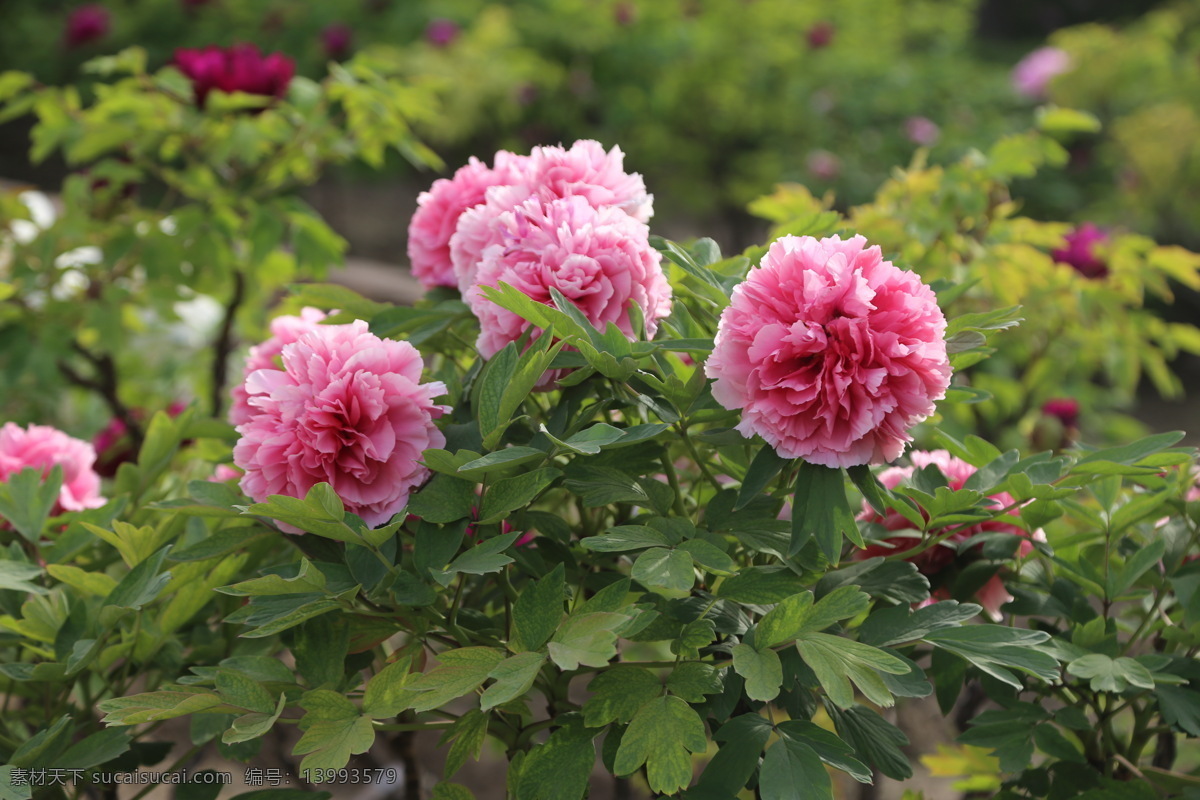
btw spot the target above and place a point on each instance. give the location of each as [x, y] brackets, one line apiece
[626, 508]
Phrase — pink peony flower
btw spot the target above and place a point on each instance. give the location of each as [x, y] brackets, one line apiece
[585, 170]
[347, 409]
[42, 447]
[439, 210]
[922, 131]
[830, 352]
[1080, 252]
[1032, 75]
[441, 32]
[284, 331]
[86, 24]
[225, 472]
[336, 41]
[935, 560]
[599, 258]
[240, 68]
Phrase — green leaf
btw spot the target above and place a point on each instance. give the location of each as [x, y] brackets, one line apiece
[42, 749]
[514, 677]
[538, 610]
[154, 706]
[762, 670]
[828, 747]
[586, 639]
[626, 537]
[468, 733]
[591, 440]
[1180, 708]
[308, 580]
[501, 460]
[314, 514]
[559, 769]
[1144, 558]
[10, 789]
[98, 748]
[602, 486]
[661, 736]
[333, 729]
[742, 740]
[443, 499]
[837, 661]
[709, 557]
[797, 615]
[141, 584]
[509, 494]
[1129, 454]
[242, 691]
[17, 576]
[485, 557]
[1106, 674]
[992, 648]
[618, 693]
[761, 585]
[253, 725]
[894, 625]
[497, 374]
[789, 765]
[669, 571]
[1065, 121]
[692, 681]
[320, 647]
[27, 497]
[820, 510]
[461, 671]
[387, 692]
[875, 740]
[763, 469]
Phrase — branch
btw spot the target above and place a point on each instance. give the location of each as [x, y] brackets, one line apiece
[224, 344]
[105, 385]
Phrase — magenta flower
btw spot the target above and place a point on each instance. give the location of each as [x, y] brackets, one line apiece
[347, 409]
[922, 131]
[830, 352]
[441, 32]
[936, 560]
[240, 68]
[336, 40]
[1064, 409]
[599, 258]
[86, 24]
[585, 170]
[284, 331]
[43, 447]
[1080, 252]
[820, 35]
[439, 209]
[1032, 75]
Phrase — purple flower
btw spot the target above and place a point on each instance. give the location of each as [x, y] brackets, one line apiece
[441, 32]
[1080, 252]
[336, 40]
[240, 68]
[86, 24]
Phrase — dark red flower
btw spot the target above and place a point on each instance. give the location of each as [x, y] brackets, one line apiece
[1064, 409]
[86, 24]
[336, 40]
[240, 68]
[1080, 251]
[441, 32]
[820, 35]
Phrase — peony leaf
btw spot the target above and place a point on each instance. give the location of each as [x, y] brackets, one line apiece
[762, 670]
[661, 736]
[820, 510]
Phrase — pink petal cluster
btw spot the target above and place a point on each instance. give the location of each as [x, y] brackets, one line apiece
[86, 24]
[284, 331]
[922, 131]
[598, 257]
[347, 409]
[937, 559]
[442, 32]
[1080, 252]
[43, 447]
[830, 352]
[1032, 75]
[439, 209]
[240, 68]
